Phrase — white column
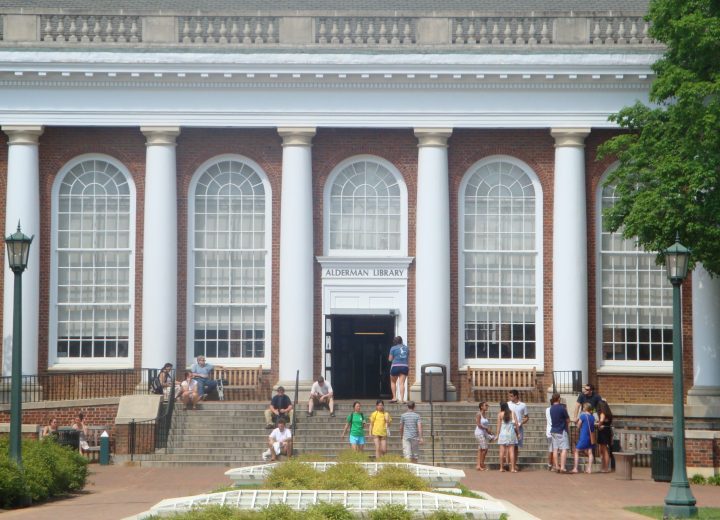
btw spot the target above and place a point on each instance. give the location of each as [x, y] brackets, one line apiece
[159, 267]
[432, 254]
[296, 258]
[22, 203]
[570, 307]
[706, 338]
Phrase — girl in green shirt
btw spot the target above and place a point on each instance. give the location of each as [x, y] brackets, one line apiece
[356, 424]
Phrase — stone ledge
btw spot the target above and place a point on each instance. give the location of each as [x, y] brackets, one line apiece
[42, 405]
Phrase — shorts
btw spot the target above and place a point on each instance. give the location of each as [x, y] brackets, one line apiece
[395, 371]
[550, 446]
[411, 449]
[560, 441]
[360, 441]
[482, 441]
[521, 435]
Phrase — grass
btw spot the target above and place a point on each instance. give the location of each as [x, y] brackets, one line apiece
[704, 513]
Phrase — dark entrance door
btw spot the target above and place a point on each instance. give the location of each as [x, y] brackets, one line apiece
[360, 346]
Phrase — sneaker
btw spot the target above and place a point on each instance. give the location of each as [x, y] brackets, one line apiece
[332, 414]
[310, 414]
[266, 454]
[269, 426]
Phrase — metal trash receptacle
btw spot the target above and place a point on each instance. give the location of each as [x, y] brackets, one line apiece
[69, 437]
[661, 458]
[433, 385]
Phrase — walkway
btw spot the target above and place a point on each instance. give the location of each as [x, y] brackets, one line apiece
[114, 492]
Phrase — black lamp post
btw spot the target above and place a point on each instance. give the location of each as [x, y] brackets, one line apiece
[18, 250]
[679, 502]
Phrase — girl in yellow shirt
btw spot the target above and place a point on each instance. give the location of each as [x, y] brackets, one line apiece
[379, 422]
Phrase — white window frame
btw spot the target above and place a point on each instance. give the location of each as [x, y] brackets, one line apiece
[538, 362]
[612, 366]
[402, 251]
[58, 363]
[265, 361]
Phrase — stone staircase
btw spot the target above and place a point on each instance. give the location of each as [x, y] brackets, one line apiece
[233, 434]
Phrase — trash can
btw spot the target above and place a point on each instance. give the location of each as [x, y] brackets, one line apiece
[69, 437]
[661, 458]
[432, 382]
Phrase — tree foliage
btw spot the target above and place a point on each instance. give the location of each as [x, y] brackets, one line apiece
[668, 178]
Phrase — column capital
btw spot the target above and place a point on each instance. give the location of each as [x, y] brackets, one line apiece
[570, 136]
[23, 134]
[296, 136]
[433, 136]
[160, 135]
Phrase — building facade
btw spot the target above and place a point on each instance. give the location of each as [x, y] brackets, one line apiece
[291, 189]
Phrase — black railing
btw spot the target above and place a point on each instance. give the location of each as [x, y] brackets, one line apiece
[567, 382]
[151, 435]
[63, 386]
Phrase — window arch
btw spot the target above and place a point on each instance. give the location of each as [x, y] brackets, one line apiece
[634, 300]
[366, 201]
[93, 245]
[229, 264]
[500, 267]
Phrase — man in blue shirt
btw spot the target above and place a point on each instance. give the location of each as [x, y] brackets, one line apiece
[202, 373]
[559, 424]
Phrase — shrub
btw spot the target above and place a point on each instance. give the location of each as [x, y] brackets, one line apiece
[327, 511]
[697, 479]
[293, 474]
[391, 512]
[12, 485]
[446, 515]
[280, 512]
[714, 480]
[391, 477]
[345, 475]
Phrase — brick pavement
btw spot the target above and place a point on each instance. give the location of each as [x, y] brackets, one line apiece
[114, 492]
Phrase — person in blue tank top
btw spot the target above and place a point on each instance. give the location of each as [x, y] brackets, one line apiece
[399, 369]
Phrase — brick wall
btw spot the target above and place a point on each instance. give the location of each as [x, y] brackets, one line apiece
[703, 453]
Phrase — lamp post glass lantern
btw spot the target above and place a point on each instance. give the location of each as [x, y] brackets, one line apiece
[18, 251]
[679, 502]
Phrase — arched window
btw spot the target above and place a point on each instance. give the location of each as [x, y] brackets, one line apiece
[93, 245]
[635, 301]
[367, 208]
[500, 263]
[230, 264]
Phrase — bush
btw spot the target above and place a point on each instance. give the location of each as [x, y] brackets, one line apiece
[446, 515]
[327, 511]
[714, 480]
[391, 477]
[345, 475]
[391, 512]
[697, 479]
[12, 485]
[293, 474]
[280, 512]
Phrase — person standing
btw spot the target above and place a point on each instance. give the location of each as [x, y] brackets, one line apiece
[356, 424]
[521, 413]
[548, 427]
[482, 434]
[587, 395]
[202, 373]
[507, 428]
[605, 435]
[379, 428]
[411, 433]
[321, 394]
[399, 369]
[586, 426]
[559, 428]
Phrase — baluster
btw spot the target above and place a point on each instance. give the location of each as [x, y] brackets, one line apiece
[234, 31]
[358, 33]
[198, 33]
[109, 37]
[633, 33]
[133, 32]
[321, 32]
[508, 34]
[395, 32]
[471, 33]
[48, 31]
[121, 31]
[72, 38]
[407, 33]
[60, 30]
[483, 32]
[335, 38]
[544, 33]
[96, 31]
[347, 33]
[646, 34]
[271, 32]
[459, 37]
[223, 32]
[596, 34]
[495, 31]
[186, 32]
[531, 34]
[383, 33]
[621, 33]
[609, 40]
[246, 32]
[258, 32]
[371, 33]
[84, 30]
[519, 38]
[210, 31]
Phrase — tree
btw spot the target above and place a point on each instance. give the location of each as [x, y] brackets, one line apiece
[668, 178]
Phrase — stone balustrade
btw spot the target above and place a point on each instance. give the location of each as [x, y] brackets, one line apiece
[339, 30]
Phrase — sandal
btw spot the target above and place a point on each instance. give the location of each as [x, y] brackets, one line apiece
[393, 401]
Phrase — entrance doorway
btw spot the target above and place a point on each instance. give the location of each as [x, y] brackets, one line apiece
[359, 347]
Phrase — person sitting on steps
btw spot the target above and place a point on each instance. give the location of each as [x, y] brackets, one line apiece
[202, 373]
[279, 442]
[188, 391]
[321, 394]
[280, 406]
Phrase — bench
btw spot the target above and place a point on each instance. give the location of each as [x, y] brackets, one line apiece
[68, 436]
[490, 379]
[237, 379]
[636, 442]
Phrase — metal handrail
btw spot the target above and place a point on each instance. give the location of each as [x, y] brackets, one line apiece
[160, 427]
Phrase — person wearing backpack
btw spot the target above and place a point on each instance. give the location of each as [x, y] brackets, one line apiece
[356, 424]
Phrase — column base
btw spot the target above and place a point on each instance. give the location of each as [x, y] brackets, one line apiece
[416, 392]
[703, 395]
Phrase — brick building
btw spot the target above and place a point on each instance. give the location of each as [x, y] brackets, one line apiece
[292, 188]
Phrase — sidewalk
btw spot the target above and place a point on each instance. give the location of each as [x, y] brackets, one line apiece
[114, 492]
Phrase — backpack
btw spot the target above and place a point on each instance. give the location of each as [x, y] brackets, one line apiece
[156, 386]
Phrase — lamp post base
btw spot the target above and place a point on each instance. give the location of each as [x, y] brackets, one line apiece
[680, 502]
[677, 511]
